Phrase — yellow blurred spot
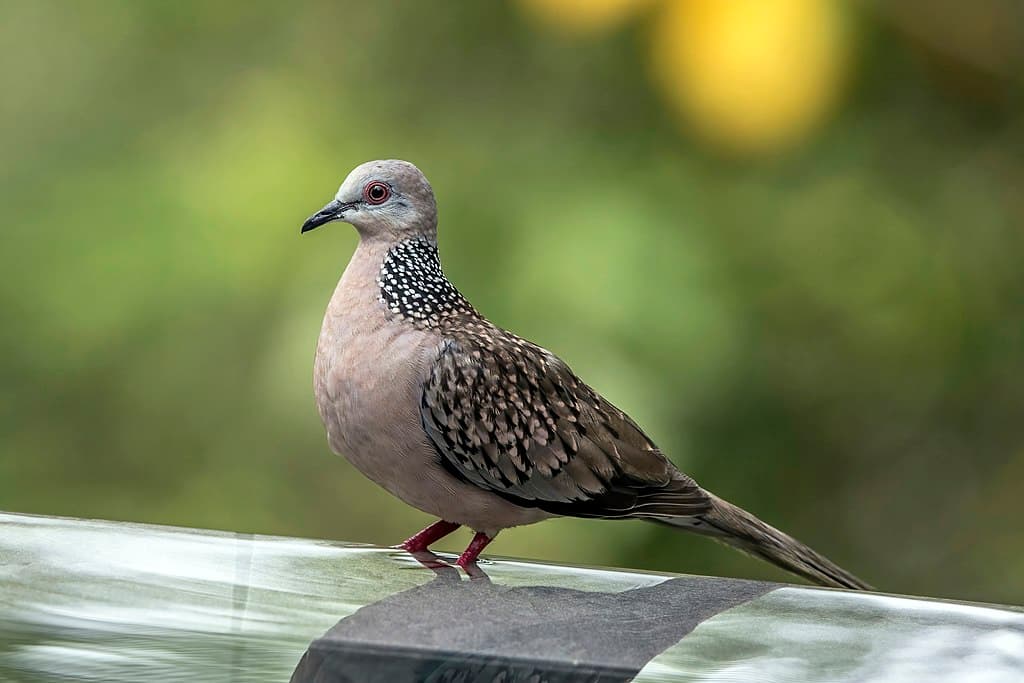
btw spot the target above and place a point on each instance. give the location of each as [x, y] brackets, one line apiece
[582, 16]
[751, 75]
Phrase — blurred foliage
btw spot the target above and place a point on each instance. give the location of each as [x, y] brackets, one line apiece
[582, 17]
[792, 252]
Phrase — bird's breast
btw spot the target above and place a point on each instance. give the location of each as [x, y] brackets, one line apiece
[368, 378]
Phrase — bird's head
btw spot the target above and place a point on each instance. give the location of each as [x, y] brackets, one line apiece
[389, 199]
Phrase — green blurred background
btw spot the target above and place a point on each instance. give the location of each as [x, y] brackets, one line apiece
[785, 235]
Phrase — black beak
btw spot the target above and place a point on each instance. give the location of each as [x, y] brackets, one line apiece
[332, 212]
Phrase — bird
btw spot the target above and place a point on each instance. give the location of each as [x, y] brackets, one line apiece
[475, 425]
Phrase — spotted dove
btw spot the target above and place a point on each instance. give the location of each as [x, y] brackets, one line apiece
[473, 424]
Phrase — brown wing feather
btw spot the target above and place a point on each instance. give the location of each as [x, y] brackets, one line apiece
[511, 417]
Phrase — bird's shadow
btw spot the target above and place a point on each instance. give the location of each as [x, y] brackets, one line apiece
[450, 629]
[447, 571]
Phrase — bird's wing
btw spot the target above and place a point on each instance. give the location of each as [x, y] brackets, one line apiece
[512, 418]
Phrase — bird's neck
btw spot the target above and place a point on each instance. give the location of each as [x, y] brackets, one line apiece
[412, 285]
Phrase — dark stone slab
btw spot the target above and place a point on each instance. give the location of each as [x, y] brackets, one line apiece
[475, 631]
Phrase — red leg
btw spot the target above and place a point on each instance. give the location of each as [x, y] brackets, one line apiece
[478, 543]
[434, 532]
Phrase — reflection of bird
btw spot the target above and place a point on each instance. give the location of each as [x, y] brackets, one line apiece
[475, 425]
[450, 630]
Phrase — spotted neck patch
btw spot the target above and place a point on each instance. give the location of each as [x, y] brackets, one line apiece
[413, 286]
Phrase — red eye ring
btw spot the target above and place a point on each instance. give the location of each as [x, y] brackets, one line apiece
[376, 192]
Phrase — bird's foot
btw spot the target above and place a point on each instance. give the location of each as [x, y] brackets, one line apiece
[422, 540]
[468, 557]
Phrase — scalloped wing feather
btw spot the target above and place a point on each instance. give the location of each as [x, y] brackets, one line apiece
[512, 418]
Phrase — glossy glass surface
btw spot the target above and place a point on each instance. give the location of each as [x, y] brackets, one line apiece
[102, 601]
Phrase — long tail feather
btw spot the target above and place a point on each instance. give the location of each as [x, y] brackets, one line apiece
[737, 527]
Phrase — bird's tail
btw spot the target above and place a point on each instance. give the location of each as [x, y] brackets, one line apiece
[737, 527]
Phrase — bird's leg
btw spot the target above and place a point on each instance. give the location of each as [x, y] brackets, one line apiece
[434, 532]
[478, 543]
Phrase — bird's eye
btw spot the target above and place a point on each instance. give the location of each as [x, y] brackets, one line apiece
[376, 192]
